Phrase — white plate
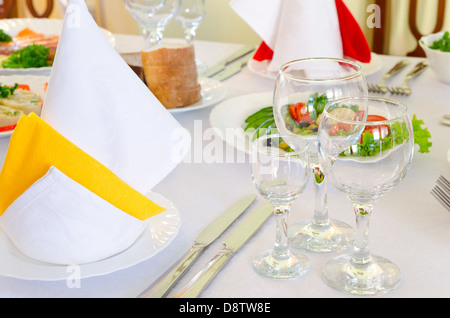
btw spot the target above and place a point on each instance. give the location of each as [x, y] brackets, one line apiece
[46, 26]
[161, 230]
[36, 83]
[212, 92]
[260, 68]
[227, 118]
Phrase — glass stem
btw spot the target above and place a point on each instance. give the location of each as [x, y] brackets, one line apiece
[320, 196]
[281, 248]
[189, 34]
[361, 255]
[154, 37]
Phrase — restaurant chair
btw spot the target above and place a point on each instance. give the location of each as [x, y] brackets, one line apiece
[381, 35]
[6, 8]
[48, 9]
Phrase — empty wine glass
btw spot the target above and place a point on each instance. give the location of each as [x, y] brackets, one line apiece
[280, 173]
[364, 158]
[153, 16]
[302, 89]
[190, 15]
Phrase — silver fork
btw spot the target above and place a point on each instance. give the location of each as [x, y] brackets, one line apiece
[442, 192]
[381, 87]
[404, 89]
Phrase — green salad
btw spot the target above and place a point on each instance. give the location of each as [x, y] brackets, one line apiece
[443, 44]
[32, 56]
[303, 119]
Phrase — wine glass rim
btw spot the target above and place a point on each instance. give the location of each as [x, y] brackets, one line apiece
[298, 150]
[357, 66]
[368, 98]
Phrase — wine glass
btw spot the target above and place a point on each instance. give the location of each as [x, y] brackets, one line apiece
[280, 173]
[153, 15]
[364, 159]
[303, 88]
[190, 15]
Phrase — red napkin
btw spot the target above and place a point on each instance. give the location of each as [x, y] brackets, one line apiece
[353, 40]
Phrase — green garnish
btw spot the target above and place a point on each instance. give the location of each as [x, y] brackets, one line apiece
[5, 90]
[4, 37]
[442, 44]
[421, 135]
[32, 56]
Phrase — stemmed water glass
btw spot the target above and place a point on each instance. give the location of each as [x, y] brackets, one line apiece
[364, 158]
[303, 88]
[280, 174]
[190, 15]
[153, 15]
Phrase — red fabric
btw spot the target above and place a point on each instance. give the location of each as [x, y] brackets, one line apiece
[354, 42]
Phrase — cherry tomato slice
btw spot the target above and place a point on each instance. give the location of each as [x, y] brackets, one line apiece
[378, 131]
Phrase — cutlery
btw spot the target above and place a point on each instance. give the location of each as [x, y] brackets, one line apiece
[446, 120]
[232, 69]
[404, 89]
[231, 245]
[204, 239]
[381, 87]
[221, 66]
[442, 192]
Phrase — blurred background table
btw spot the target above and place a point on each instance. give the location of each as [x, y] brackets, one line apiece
[408, 227]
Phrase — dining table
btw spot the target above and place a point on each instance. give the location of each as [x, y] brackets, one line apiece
[409, 226]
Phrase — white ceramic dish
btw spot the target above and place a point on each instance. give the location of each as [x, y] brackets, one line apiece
[212, 92]
[46, 26]
[260, 68]
[36, 83]
[439, 61]
[227, 118]
[161, 230]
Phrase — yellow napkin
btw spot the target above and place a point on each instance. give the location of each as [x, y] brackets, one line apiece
[35, 147]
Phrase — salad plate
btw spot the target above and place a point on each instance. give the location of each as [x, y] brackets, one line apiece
[261, 67]
[212, 92]
[228, 118]
[37, 84]
[46, 26]
[161, 230]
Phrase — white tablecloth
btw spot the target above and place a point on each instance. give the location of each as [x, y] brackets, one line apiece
[408, 227]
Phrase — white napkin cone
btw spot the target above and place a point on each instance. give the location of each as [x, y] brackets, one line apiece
[293, 29]
[96, 101]
[59, 221]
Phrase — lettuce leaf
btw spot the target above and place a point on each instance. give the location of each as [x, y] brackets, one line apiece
[421, 135]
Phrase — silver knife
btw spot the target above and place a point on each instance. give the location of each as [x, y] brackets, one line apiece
[238, 238]
[204, 239]
[232, 69]
[221, 66]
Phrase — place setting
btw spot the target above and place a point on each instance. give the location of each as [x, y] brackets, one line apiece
[337, 182]
[77, 202]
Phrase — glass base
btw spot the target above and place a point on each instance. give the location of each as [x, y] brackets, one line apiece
[378, 277]
[336, 236]
[293, 266]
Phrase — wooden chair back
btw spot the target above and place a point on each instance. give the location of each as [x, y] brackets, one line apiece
[6, 8]
[381, 35]
[48, 9]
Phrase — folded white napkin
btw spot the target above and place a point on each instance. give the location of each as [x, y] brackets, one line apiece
[97, 102]
[293, 29]
[60, 222]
